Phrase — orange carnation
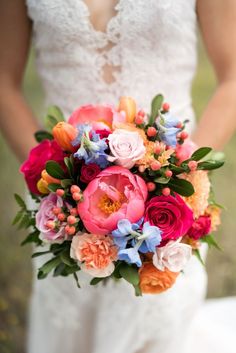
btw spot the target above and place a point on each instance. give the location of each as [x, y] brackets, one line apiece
[153, 281]
[64, 134]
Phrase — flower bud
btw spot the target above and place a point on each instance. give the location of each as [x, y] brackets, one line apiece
[128, 105]
[64, 134]
[42, 186]
[48, 178]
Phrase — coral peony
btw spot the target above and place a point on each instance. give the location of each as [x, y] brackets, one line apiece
[64, 134]
[113, 195]
[153, 281]
[95, 253]
[35, 164]
[170, 214]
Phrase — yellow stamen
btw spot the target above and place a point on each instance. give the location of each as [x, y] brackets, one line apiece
[109, 206]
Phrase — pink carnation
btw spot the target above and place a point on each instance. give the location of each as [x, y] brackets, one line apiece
[200, 227]
[170, 214]
[95, 253]
[114, 194]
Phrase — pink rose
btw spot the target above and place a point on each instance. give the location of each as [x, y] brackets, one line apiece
[170, 214]
[173, 256]
[45, 214]
[38, 156]
[200, 227]
[114, 194]
[95, 253]
[185, 150]
[126, 147]
[89, 172]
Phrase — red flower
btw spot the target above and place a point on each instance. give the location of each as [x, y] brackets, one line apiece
[35, 164]
[89, 172]
[200, 227]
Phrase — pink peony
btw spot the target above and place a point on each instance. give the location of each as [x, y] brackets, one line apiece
[38, 156]
[114, 194]
[95, 253]
[170, 214]
[185, 150]
[126, 147]
[45, 214]
[200, 227]
[174, 256]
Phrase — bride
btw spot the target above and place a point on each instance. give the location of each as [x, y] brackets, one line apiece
[95, 51]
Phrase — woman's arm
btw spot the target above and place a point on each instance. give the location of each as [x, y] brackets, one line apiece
[217, 20]
[16, 120]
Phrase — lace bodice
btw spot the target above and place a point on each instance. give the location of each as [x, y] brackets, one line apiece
[149, 46]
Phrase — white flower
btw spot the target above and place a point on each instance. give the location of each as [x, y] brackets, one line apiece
[126, 147]
[173, 256]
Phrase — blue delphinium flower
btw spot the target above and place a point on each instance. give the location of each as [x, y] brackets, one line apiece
[92, 149]
[167, 129]
[128, 234]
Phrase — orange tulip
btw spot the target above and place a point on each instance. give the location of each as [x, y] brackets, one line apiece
[153, 281]
[128, 105]
[48, 178]
[64, 134]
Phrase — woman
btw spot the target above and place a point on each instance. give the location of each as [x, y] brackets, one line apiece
[95, 51]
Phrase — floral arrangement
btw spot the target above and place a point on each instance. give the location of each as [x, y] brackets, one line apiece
[119, 194]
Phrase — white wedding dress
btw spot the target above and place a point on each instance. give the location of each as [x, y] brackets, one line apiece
[149, 46]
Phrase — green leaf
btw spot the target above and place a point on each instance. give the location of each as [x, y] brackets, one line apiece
[50, 122]
[69, 166]
[176, 169]
[66, 182]
[40, 253]
[55, 170]
[20, 201]
[162, 180]
[210, 165]
[197, 253]
[96, 280]
[53, 187]
[130, 274]
[56, 112]
[25, 222]
[48, 267]
[66, 259]
[181, 186]
[76, 279]
[155, 107]
[18, 217]
[210, 240]
[138, 292]
[32, 238]
[58, 271]
[200, 153]
[42, 135]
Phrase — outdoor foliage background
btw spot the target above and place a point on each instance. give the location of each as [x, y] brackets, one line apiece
[15, 262]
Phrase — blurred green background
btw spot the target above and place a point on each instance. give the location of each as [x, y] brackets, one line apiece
[15, 262]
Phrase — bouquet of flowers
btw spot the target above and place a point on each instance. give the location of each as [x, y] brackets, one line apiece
[120, 194]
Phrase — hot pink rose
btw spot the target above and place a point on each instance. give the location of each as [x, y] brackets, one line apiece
[170, 214]
[38, 156]
[200, 227]
[89, 172]
[114, 194]
[45, 214]
[102, 117]
[185, 150]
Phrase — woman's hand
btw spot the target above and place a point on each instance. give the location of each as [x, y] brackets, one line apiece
[16, 120]
[217, 20]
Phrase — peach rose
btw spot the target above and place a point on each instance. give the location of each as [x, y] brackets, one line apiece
[153, 281]
[95, 253]
[64, 134]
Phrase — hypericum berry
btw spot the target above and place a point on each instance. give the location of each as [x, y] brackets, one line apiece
[70, 230]
[179, 125]
[74, 188]
[166, 107]
[139, 119]
[151, 186]
[73, 211]
[50, 224]
[61, 217]
[156, 165]
[60, 192]
[56, 210]
[151, 131]
[183, 135]
[71, 220]
[157, 148]
[168, 173]
[166, 191]
[192, 165]
[141, 113]
[76, 196]
[141, 169]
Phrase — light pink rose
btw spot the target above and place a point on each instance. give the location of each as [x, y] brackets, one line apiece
[95, 253]
[45, 214]
[185, 150]
[126, 147]
[114, 194]
[173, 256]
